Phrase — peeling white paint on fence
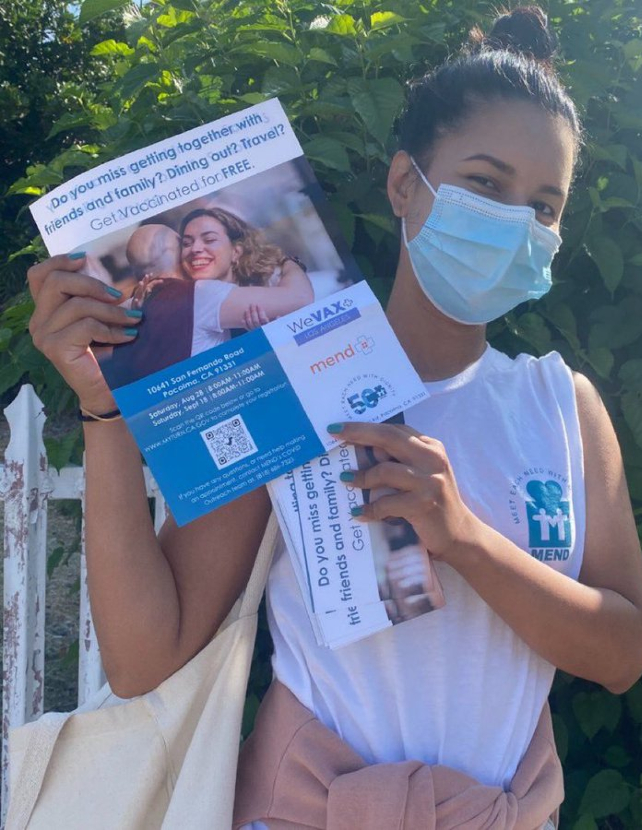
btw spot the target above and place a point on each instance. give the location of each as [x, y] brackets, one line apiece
[26, 486]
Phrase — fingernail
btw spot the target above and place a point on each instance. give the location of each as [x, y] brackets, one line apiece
[134, 312]
[356, 511]
[346, 476]
[334, 428]
[131, 332]
[113, 291]
[77, 255]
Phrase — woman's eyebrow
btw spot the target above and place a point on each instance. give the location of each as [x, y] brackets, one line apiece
[498, 163]
[553, 190]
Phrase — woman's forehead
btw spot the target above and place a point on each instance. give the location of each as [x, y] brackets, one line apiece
[535, 144]
[200, 224]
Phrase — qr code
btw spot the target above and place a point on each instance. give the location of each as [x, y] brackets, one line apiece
[229, 441]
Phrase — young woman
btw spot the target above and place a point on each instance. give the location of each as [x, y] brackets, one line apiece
[228, 277]
[510, 472]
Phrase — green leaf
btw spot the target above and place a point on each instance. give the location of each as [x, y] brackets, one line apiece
[253, 98]
[595, 710]
[172, 18]
[532, 328]
[329, 152]
[54, 559]
[250, 709]
[68, 122]
[379, 221]
[631, 374]
[383, 20]
[608, 257]
[94, 8]
[377, 101]
[346, 220]
[112, 47]
[562, 317]
[585, 823]
[61, 450]
[71, 657]
[617, 153]
[342, 24]
[617, 756]
[634, 702]
[606, 793]
[280, 52]
[602, 360]
[633, 54]
[632, 409]
[136, 78]
[9, 376]
[320, 55]
[616, 326]
[5, 338]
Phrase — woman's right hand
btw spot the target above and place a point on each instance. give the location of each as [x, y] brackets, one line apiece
[72, 311]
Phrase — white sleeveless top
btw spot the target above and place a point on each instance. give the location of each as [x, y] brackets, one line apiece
[457, 686]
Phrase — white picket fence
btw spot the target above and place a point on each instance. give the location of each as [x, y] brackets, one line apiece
[27, 485]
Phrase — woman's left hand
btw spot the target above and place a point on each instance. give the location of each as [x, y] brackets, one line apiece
[418, 468]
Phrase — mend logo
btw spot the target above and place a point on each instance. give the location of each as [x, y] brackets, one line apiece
[323, 320]
[362, 344]
[548, 513]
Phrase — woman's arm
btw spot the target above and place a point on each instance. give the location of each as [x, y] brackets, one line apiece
[293, 291]
[591, 628]
[155, 602]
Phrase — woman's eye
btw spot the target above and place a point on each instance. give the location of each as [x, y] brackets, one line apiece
[489, 184]
[543, 208]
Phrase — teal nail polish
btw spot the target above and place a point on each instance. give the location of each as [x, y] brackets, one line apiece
[77, 255]
[346, 475]
[334, 428]
[131, 332]
[113, 291]
[134, 312]
[356, 511]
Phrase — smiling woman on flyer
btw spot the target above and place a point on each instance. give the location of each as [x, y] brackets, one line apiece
[510, 474]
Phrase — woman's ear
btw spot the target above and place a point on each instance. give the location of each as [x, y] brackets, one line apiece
[402, 178]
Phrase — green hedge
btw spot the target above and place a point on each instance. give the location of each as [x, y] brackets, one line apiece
[339, 70]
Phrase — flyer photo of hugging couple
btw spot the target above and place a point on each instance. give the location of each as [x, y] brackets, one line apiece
[218, 266]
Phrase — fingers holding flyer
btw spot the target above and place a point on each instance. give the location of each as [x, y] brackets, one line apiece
[356, 579]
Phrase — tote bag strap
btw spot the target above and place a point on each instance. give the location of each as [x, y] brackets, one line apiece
[34, 766]
[43, 737]
[256, 584]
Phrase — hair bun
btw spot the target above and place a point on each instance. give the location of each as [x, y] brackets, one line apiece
[523, 30]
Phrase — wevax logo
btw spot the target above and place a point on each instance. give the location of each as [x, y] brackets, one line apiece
[320, 315]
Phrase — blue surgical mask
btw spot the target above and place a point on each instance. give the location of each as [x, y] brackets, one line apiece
[476, 259]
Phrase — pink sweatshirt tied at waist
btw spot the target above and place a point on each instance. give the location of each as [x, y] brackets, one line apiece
[296, 774]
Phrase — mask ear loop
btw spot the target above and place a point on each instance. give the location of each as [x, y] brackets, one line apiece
[428, 185]
[422, 177]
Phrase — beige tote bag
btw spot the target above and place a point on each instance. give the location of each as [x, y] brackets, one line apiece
[166, 759]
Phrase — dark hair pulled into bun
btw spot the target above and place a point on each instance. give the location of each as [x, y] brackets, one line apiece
[514, 61]
[523, 30]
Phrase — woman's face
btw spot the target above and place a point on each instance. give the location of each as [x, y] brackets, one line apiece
[510, 151]
[206, 250]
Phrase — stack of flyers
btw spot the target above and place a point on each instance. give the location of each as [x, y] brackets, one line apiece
[356, 578]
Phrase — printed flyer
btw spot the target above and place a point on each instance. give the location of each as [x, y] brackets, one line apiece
[356, 578]
[256, 331]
